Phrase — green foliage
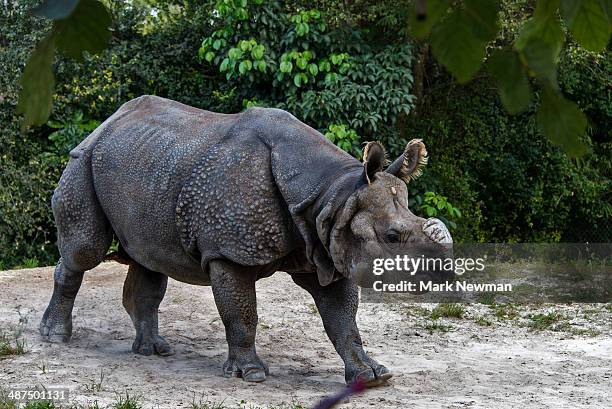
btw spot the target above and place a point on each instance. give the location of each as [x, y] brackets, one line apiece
[69, 134]
[436, 205]
[127, 402]
[77, 28]
[371, 98]
[553, 321]
[345, 139]
[449, 310]
[297, 61]
[510, 184]
[461, 31]
[37, 84]
[40, 404]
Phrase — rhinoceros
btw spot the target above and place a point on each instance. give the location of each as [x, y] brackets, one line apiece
[224, 200]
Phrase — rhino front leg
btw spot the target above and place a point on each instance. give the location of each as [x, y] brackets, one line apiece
[337, 304]
[143, 291]
[234, 292]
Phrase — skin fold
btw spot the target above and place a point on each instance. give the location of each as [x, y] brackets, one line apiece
[224, 200]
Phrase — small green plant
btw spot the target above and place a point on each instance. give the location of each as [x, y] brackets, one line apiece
[11, 346]
[40, 404]
[30, 263]
[207, 404]
[505, 311]
[553, 321]
[69, 133]
[483, 322]
[447, 310]
[95, 385]
[127, 402]
[344, 138]
[585, 332]
[435, 326]
[417, 311]
[436, 205]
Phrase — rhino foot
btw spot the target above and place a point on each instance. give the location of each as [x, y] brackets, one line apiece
[149, 345]
[372, 375]
[54, 329]
[251, 369]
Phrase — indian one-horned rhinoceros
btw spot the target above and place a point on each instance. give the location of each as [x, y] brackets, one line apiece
[224, 200]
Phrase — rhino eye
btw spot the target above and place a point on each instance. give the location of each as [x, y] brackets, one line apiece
[393, 236]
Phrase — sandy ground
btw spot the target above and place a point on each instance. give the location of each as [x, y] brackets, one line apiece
[501, 365]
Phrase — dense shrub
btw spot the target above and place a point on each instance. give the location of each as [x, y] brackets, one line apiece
[510, 182]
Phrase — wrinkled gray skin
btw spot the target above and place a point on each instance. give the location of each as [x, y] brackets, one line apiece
[224, 200]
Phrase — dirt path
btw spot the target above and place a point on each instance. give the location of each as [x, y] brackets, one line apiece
[481, 361]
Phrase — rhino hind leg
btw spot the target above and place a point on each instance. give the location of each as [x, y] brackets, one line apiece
[234, 292]
[143, 291]
[84, 236]
[337, 304]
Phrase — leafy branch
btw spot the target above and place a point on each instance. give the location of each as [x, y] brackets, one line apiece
[459, 33]
[78, 26]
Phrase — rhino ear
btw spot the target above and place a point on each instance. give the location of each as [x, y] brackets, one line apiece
[374, 159]
[409, 165]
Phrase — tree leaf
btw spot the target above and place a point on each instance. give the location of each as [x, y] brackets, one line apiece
[541, 40]
[456, 47]
[588, 22]
[55, 9]
[242, 68]
[297, 80]
[313, 69]
[436, 9]
[483, 17]
[37, 82]
[511, 80]
[562, 122]
[86, 29]
[286, 66]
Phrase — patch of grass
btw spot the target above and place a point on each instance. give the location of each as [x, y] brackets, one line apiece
[483, 322]
[584, 332]
[127, 402]
[416, 311]
[447, 310]
[553, 321]
[31, 263]
[44, 367]
[11, 346]
[505, 311]
[95, 385]
[434, 326]
[40, 404]
[207, 404]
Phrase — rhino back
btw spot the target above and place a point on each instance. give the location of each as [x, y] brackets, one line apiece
[140, 163]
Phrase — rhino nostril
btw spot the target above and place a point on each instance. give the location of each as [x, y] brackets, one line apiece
[393, 236]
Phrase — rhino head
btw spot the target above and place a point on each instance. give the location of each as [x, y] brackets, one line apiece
[375, 221]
